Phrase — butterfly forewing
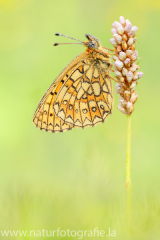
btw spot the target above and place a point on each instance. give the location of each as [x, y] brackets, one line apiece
[44, 116]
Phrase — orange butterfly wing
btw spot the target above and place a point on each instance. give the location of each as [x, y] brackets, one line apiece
[44, 116]
[81, 96]
[86, 97]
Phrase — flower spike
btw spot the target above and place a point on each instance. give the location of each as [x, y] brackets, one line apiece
[125, 63]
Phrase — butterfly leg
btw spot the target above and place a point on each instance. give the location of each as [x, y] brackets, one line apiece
[109, 49]
[123, 85]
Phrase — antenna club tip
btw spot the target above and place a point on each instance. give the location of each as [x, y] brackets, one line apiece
[55, 44]
[57, 34]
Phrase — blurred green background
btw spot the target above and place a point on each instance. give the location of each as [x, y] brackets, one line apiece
[75, 180]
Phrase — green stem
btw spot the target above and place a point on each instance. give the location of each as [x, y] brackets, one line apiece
[128, 176]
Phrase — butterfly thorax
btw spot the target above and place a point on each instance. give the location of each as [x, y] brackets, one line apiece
[98, 58]
[96, 54]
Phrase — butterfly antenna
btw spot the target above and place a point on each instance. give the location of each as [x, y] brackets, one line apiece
[56, 44]
[59, 34]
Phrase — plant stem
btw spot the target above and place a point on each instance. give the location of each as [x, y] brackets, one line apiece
[128, 176]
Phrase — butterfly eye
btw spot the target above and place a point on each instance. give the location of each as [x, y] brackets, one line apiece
[92, 45]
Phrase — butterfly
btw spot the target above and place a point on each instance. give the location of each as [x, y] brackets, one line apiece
[81, 95]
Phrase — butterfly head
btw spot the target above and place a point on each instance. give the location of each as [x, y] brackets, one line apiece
[93, 42]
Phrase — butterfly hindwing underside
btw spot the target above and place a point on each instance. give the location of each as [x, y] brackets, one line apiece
[81, 95]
